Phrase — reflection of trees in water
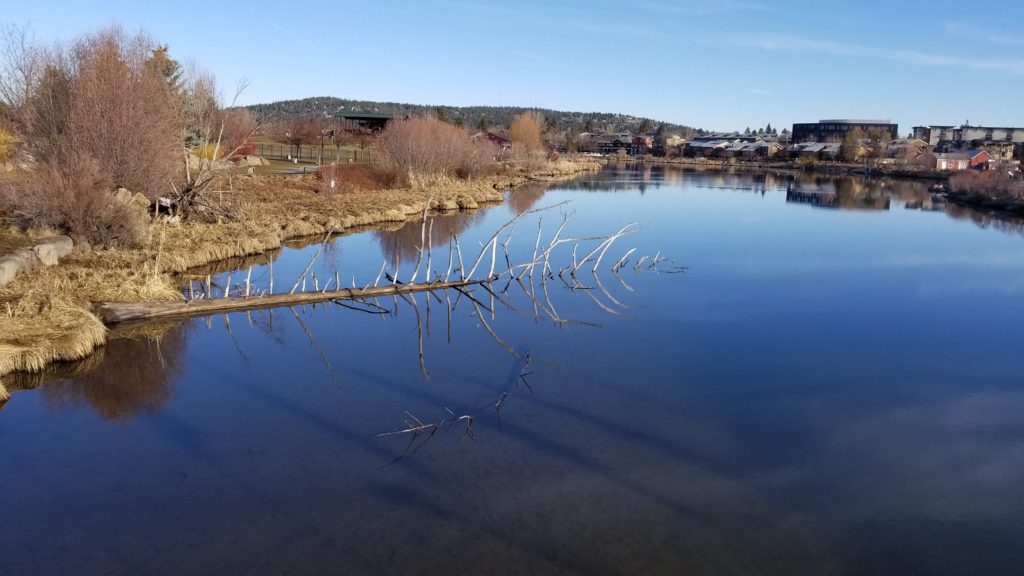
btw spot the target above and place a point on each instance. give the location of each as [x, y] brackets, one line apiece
[619, 176]
[128, 376]
[1003, 223]
[525, 197]
[401, 245]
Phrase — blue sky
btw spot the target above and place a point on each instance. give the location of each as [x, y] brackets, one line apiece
[717, 64]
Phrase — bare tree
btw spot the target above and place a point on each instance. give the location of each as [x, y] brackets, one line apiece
[239, 127]
[525, 133]
[296, 131]
[209, 127]
[123, 114]
[20, 66]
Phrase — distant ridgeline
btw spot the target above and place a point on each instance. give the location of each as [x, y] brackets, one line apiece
[473, 117]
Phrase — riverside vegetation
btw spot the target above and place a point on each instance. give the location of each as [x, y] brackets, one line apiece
[167, 136]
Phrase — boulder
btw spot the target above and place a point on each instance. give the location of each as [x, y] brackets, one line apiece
[132, 199]
[50, 250]
[82, 244]
[27, 258]
[20, 261]
[10, 267]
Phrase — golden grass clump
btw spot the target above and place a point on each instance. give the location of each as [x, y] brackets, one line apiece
[40, 331]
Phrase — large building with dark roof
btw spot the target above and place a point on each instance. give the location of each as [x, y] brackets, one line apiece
[834, 130]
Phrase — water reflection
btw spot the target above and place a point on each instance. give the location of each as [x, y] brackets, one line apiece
[401, 245]
[767, 412]
[841, 192]
[132, 374]
[526, 197]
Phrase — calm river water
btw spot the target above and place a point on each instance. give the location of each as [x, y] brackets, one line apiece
[834, 385]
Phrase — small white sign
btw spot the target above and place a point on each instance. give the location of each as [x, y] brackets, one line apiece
[164, 202]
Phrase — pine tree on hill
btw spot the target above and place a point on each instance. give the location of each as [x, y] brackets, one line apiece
[490, 116]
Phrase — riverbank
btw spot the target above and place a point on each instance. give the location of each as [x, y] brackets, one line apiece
[992, 191]
[46, 314]
[989, 203]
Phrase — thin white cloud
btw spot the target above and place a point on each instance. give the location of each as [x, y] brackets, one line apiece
[965, 30]
[702, 7]
[298, 38]
[780, 43]
[760, 91]
[535, 57]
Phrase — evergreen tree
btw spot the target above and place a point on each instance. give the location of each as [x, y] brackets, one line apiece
[168, 67]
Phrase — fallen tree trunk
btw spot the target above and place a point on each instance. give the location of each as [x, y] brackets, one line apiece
[118, 312]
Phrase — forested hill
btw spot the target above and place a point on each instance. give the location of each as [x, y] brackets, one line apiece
[471, 116]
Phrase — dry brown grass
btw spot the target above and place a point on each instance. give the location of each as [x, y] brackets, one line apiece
[40, 332]
[12, 238]
[994, 183]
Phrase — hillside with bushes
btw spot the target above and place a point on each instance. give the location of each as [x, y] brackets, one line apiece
[474, 117]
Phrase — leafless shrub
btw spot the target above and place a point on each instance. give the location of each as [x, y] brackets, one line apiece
[74, 195]
[239, 127]
[99, 113]
[991, 182]
[347, 178]
[123, 113]
[424, 149]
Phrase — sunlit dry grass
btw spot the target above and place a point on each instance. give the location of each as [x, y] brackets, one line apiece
[38, 332]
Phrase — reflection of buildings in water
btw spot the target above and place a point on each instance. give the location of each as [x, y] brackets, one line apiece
[813, 198]
[402, 245]
[932, 203]
[842, 193]
[128, 376]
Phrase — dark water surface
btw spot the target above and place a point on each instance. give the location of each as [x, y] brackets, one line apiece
[834, 386]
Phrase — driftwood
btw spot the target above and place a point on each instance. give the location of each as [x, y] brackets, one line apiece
[117, 312]
[246, 298]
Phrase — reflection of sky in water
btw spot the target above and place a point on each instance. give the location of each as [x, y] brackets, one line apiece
[823, 391]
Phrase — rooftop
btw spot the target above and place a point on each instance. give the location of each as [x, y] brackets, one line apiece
[853, 121]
